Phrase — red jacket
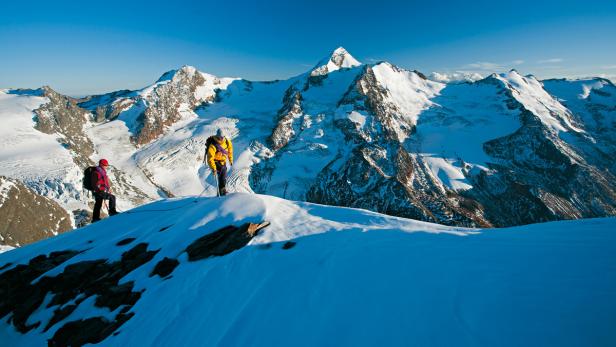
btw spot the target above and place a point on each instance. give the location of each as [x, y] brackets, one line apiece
[100, 179]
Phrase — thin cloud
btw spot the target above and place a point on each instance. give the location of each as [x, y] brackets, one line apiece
[484, 65]
[609, 67]
[551, 61]
[517, 62]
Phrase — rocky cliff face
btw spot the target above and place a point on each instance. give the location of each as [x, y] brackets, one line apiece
[380, 174]
[61, 116]
[26, 216]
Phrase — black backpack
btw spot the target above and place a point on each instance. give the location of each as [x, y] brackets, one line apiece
[211, 141]
[87, 178]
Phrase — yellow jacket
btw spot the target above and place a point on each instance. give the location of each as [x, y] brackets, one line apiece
[214, 155]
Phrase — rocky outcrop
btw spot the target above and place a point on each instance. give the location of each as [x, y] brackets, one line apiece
[287, 117]
[63, 117]
[28, 217]
[34, 286]
[381, 175]
[107, 106]
[166, 102]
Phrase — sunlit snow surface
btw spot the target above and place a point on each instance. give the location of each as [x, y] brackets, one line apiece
[354, 278]
[31, 156]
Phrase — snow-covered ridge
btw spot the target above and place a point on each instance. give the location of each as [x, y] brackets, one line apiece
[407, 89]
[367, 130]
[530, 93]
[377, 279]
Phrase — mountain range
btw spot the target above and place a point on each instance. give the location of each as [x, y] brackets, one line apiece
[498, 151]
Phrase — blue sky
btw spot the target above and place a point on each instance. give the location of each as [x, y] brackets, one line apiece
[81, 48]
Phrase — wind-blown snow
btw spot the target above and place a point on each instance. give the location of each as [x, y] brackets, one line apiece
[353, 278]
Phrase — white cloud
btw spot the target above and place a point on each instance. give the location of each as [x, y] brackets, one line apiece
[484, 65]
[551, 61]
[517, 62]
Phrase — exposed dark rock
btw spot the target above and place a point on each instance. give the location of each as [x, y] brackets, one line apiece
[61, 115]
[99, 278]
[162, 107]
[82, 217]
[126, 241]
[83, 331]
[17, 295]
[5, 266]
[59, 314]
[223, 241]
[286, 126]
[28, 217]
[107, 106]
[165, 267]
[289, 245]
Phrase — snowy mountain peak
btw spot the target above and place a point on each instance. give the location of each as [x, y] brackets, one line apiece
[185, 70]
[340, 58]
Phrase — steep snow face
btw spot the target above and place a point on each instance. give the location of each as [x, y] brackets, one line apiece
[315, 139]
[339, 59]
[376, 279]
[407, 90]
[530, 93]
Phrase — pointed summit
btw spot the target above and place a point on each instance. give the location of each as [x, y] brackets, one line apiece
[186, 70]
[339, 58]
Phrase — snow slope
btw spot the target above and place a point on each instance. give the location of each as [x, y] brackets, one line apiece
[463, 118]
[33, 157]
[529, 92]
[350, 277]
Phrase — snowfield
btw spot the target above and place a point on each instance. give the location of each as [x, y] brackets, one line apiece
[333, 276]
[35, 158]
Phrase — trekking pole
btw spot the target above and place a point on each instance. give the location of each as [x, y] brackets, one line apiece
[217, 184]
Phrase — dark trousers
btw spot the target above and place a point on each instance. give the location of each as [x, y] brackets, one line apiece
[98, 203]
[221, 169]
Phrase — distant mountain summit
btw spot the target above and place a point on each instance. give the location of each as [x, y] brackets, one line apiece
[502, 150]
[339, 59]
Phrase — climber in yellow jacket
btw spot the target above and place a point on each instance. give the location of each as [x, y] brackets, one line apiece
[219, 149]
